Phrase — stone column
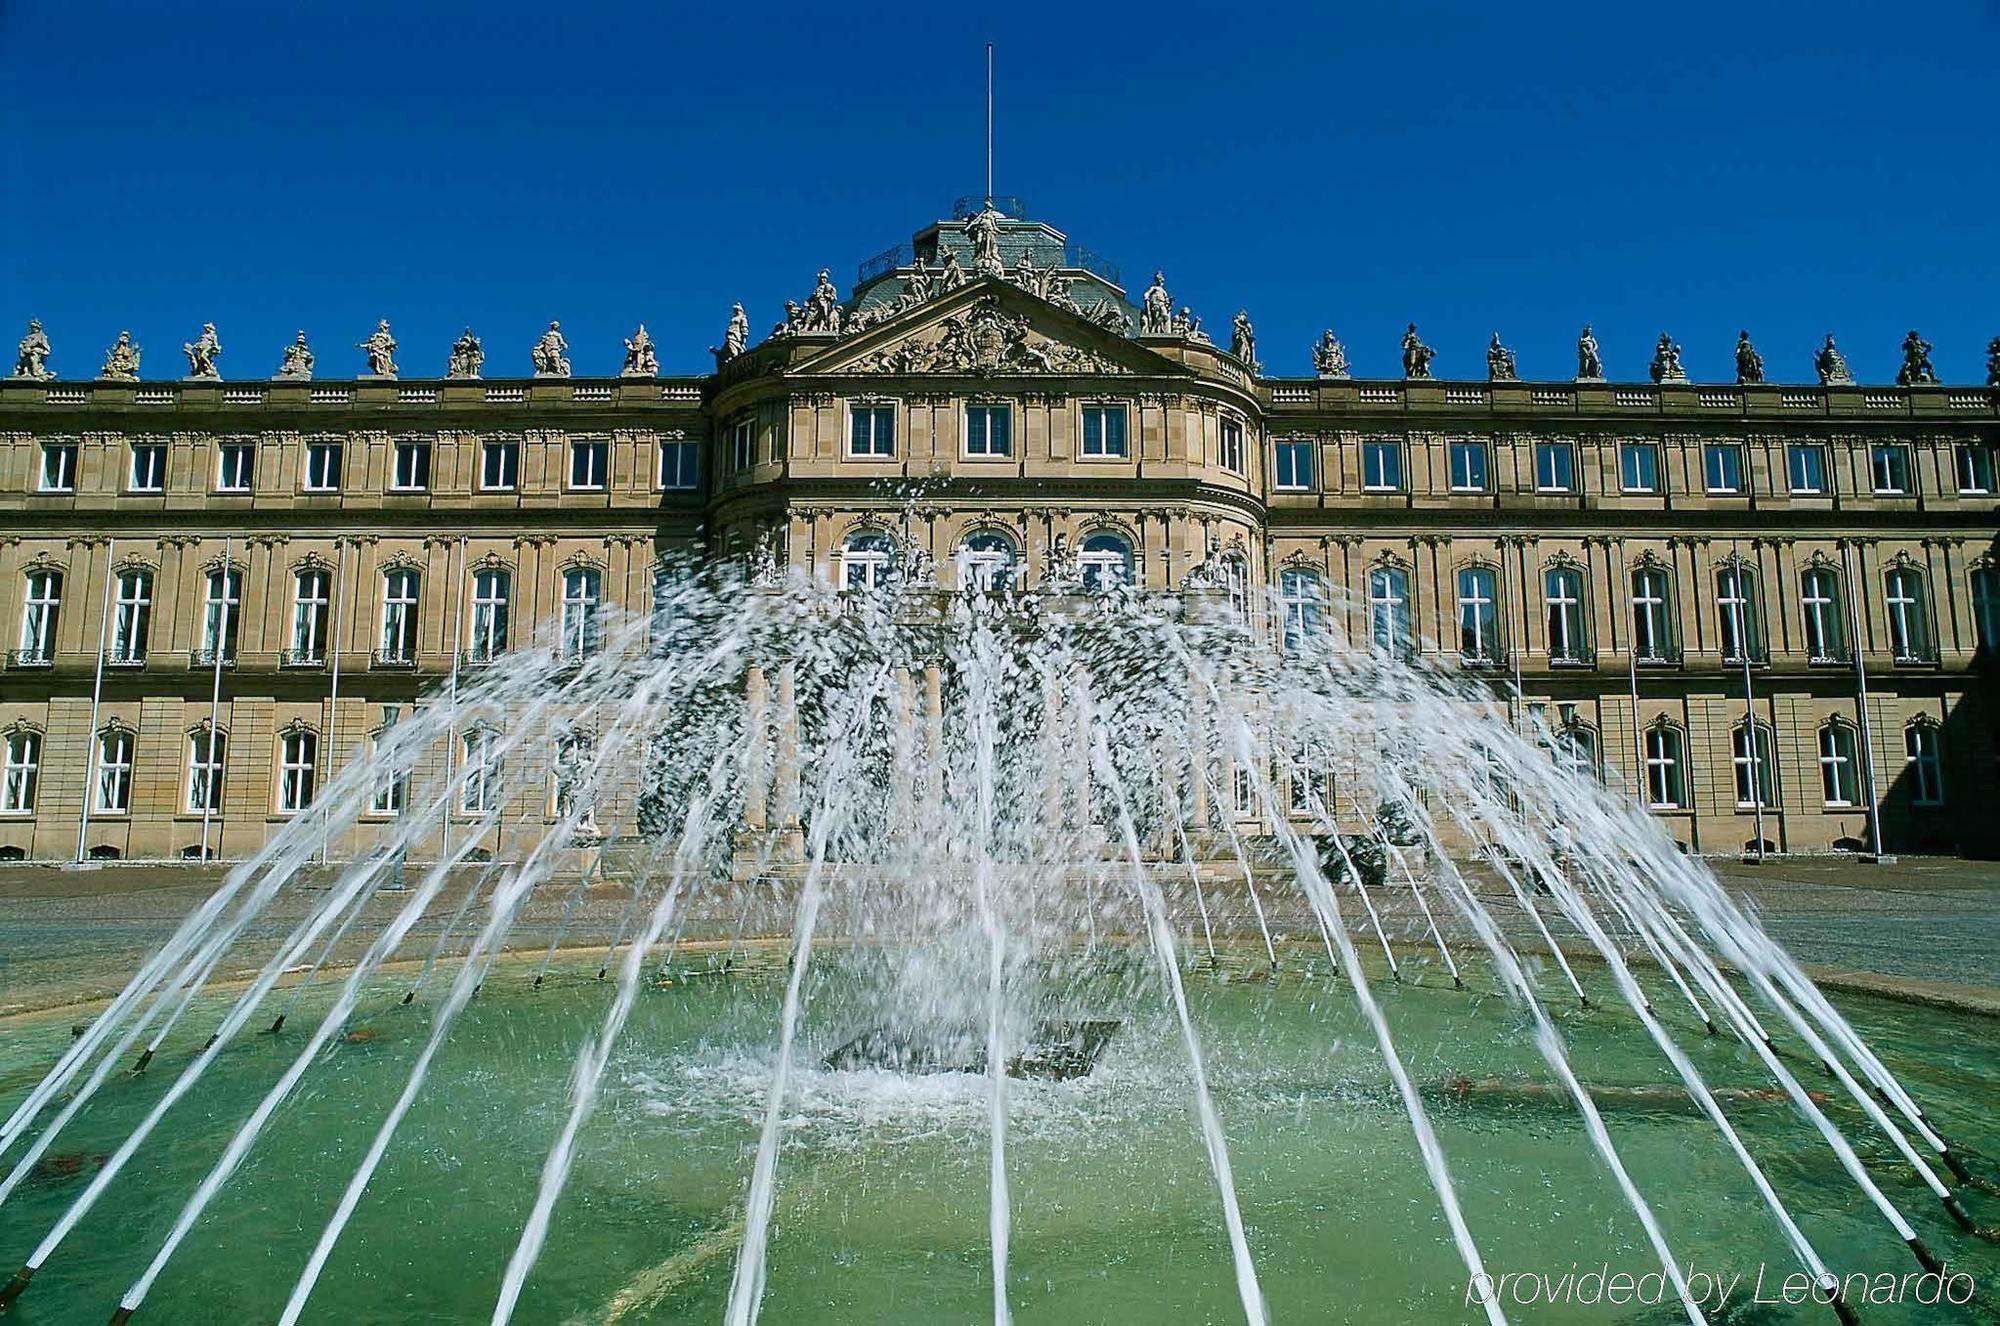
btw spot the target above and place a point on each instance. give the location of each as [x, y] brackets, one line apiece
[756, 703]
[933, 789]
[787, 781]
[902, 701]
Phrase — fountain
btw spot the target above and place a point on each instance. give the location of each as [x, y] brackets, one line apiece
[910, 877]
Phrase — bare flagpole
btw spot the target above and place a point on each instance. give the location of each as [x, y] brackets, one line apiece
[989, 124]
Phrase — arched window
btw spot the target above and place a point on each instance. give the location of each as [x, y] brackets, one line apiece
[1568, 615]
[1839, 776]
[389, 789]
[1666, 767]
[298, 770]
[1756, 773]
[1825, 626]
[479, 750]
[23, 772]
[1921, 745]
[312, 602]
[1389, 609]
[1986, 609]
[1739, 625]
[492, 592]
[39, 612]
[206, 749]
[114, 772]
[1105, 562]
[867, 561]
[399, 616]
[1573, 746]
[579, 613]
[1302, 595]
[222, 616]
[1479, 615]
[132, 621]
[1908, 610]
[986, 563]
[1653, 636]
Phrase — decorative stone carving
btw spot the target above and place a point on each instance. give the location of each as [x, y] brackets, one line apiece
[735, 338]
[1500, 362]
[1832, 365]
[467, 356]
[920, 569]
[1916, 370]
[1208, 573]
[202, 352]
[296, 365]
[1749, 364]
[641, 361]
[1416, 355]
[1065, 570]
[1156, 311]
[953, 275]
[982, 230]
[1589, 362]
[767, 571]
[823, 308]
[1993, 362]
[1666, 366]
[381, 349]
[551, 353]
[1330, 356]
[1243, 339]
[986, 339]
[121, 361]
[31, 360]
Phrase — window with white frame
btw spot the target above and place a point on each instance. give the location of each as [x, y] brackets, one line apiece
[499, 464]
[312, 603]
[871, 431]
[1926, 763]
[1468, 467]
[589, 464]
[148, 470]
[1104, 431]
[1243, 788]
[1302, 601]
[1230, 443]
[399, 615]
[680, 465]
[222, 615]
[1555, 467]
[1986, 609]
[1652, 616]
[1568, 616]
[743, 444]
[234, 466]
[989, 430]
[1825, 628]
[413, 466]
[1889, 469]
[389, 790]
[58, 474]
[867, 561]
[1666, 767]
[1479, 615]
[581, 590]
[323, 465]
[1389, 609]
[206, 749]
[986, 563]
[132, 617]
[1722, 467]
[1573, 747]
[479, 752]
[1974, 463]
[1293, 467]
[298, 770]
[492, 592]
[1750, 754]
[1236, 581]
[23, 772]
[112, 793]
[1105, 562]
[1739, 624]
[1638, 467]
[1382, 467]
[1805, 469]
[1310, 779]
[1908, 610]
[1839, 780]
[40, 611]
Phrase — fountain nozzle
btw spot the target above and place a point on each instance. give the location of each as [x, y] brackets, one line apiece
[12, 1289]
[409, 997]
[145, 1057]
[277, 1026]
[123, 1315]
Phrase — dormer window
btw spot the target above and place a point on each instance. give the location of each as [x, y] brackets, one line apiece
[989, 431]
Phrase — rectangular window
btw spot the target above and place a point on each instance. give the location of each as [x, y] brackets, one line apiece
[413, 467]
[1639, 467]
[323, 467]
[1889, 466]
[149, 468]
[989, 430]
[743, 444]
[114, 773]
[1382, 467]
[1975, 469]
[1805, 470]
[24, 770]
[1104, 431]
[680, 466]
[233, 466]
[1468, 467]
[499, 465]
[871, 431]
[58, 467]
[1231, 457]
[1920, 742]
[1295, 466]
[298, 771]
[390, 790]
[1722, 467]
[206, 750]
[589, 463]
[1555, 467]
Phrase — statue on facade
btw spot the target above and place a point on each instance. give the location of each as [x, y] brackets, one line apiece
[1589, 363]
[551, 353]
[919, 288]
[381, 348]
[1993, 362]
[1831, 365]
[1330, 356]
[1209, 572]
[1188, 323]
[202, 353]
[982, 229]
[1916, 370]
[953, 275]
[1243, 339]
[767, 571]
[121, 361]
[297, 363]
[1500, 362]
[919, 569]
[640, 359]
[1065, 570]
[1666, 365]
[822, 309]
[1749, 364]
[736, 338]
[31, 361]
[1416, 355]
[1156, 311]
[467, 356]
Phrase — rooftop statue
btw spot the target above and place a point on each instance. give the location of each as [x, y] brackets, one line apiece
[983, 230]
[953, 276]
[640, 359]
[1667, 361]
[121, 361]
[822, 309]
[1500, 362]
[381, 348]
[1416, 355]
[32, 361]
[1589, 362]
[551, 353]
[1188, 323]
[735, 337]
[202, 353]
[1832, 365]
[1243, 340]
[1156, 309]
[1993, 362]
[1330, 356]
[1916, 370]
[920, 286]
[297, 363]
[1749, 364]
[467, 356]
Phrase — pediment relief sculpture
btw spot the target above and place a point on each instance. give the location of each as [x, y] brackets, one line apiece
[985, 339]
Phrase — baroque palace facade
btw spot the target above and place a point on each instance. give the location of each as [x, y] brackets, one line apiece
[1765, 609]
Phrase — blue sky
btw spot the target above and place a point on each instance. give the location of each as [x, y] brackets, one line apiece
[1792, 168]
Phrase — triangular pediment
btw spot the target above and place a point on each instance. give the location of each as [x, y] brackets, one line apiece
[989, 328]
